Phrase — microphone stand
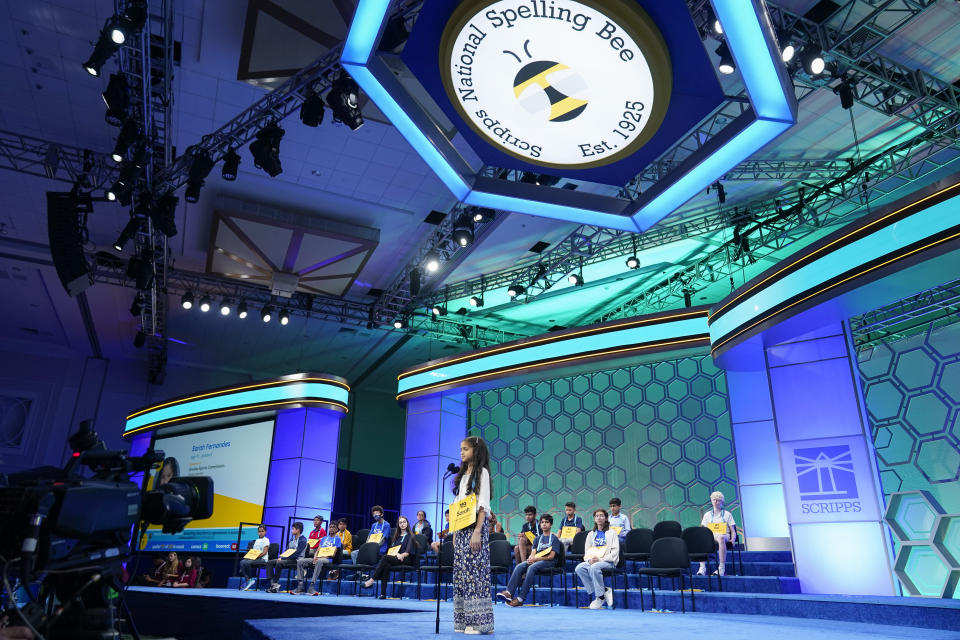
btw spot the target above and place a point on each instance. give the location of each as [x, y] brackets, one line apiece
[446, 475]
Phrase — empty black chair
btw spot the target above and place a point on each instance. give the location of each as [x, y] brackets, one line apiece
[501, 559]
[367, 559]
[497, 535]
[700, 547]
[667, 529]
[576, 547]
[444, 563]
[668, 558]
[558, 569]
[636, 546]
[360, 537]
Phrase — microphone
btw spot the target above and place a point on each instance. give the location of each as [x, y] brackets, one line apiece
[452, 468]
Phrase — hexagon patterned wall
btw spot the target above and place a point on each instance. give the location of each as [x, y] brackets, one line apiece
[928, 559]
[912, 392]
[657, 435]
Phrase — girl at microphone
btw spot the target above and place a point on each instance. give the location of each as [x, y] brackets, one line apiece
[472, 607]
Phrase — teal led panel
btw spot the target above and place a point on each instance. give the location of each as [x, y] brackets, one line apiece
[656, 435]
[299, 390]
[673, 330]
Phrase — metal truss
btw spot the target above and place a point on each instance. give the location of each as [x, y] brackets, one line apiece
[936, 306]
[90, 170]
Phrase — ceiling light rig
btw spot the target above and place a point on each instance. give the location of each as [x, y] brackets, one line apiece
[266, 149]
[200, 168]
[633, 262]
[344, 101]
[116, 97]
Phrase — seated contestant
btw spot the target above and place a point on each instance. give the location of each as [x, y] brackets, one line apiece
[601, 551]
[171, 570]
[189, 572]
[422, 526]
[494, 524]
[619, 522]
[404, 546]
[346, 544]
[318, 531]
[717, 516]
[329, 550]
[296, 548]
[379, 526]
[524, 542]
[155, 577]
[435, 545]
[546, 544]
[571, 521]
[247, 566]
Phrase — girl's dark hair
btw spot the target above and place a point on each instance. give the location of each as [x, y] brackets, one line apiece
[481, 460]
[606, 522]
[196, 562]
[396, 530]
[173, 463]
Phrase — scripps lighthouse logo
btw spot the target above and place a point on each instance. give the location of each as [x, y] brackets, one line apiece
[558, 83]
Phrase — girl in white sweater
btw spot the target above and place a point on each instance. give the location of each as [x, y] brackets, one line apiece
[601, 551]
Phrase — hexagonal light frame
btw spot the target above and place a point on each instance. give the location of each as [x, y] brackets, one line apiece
[748, 33]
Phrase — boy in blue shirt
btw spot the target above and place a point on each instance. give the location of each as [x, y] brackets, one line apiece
[546, 548]
[618, 520]
[298, 544]
[571, 520]
[380, 526]
[318, 561]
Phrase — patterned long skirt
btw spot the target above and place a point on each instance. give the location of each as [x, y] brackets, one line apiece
[472, 606]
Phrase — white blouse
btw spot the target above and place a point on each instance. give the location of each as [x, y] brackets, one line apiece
[483, 498]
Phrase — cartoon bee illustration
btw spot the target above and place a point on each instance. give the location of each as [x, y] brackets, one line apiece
[563, 107]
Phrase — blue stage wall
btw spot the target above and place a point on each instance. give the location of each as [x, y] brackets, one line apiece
[656, 435]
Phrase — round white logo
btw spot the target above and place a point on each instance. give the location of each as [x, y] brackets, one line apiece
[557, 83]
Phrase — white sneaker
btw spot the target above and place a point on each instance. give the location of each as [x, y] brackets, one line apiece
[608, 596]
[597, 603]
[249, 584]
[722, 570]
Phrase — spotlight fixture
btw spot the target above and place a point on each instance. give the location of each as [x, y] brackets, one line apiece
[200, 168]
[687, 298]
[163, 213]
[231, 162]
[102, 51]
[242, 310]
[721, 192]
[482, 214]
[516, 290]
[633, 262]
[431, 261]
[437, 310]
[139, 340]
[128, 232]
[343, 99]
[399, 323]
[110, 195]
[205, 304]
[128, 134]
[225, 307]
[463, 230]
[845, 91]
[414, 282]
[812, 60]
[284, 317]
[726, 66]
[311, 111]
[575, 279]
[117, 98]
[787, 48]
[476, 301]
[137, 306]
[186, 301]
[266, 313]
[266, 149]
[140, 269]
[131, 22]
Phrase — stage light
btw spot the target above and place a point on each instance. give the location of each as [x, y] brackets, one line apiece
[186, 301]
[137, 305]
[787, 47]
[225, 307]
[102, 51]
[311, 111]
[845, 91]
[231, 162]
[516, 290]
[437, 310]
[463, 230]
[432, 261]
[284, 317]
[726, 66]
[132, 21]
[121, 191]
[687, 298]
[200, 168]
[633, 262]
[414, 283]
[163, 212]
[575, 279]
[266, 149]
[205, 304]
[476, 301]
[399, 323]
[129, 230]
[140, 269]
[127, 136]
[482, 214]
[267, 313]
[110, 195]
[343, 99]
[139, 340]
[117, 98]
[812, 60]
[242, 310]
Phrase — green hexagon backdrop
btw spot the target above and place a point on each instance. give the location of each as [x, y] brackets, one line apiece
[912, 393]
[656, 435]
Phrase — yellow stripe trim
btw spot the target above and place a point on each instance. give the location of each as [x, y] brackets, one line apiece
[540, 79]
[566, 105]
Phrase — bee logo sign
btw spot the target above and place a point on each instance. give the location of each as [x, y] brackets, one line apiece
[558, 83]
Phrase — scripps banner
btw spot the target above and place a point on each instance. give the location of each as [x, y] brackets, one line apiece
[558, 83]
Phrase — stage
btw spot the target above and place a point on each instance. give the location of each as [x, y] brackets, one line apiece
[219, 613]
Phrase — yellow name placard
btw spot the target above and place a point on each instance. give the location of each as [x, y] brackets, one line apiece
[375, 537]
[616, 530]
[567, 533]
[544, 553]
[326, 552]
[288, 553]
[313, 542]
[530, 535]
[392, 551]
[718, 527]
[253, 554]
[463, 513]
